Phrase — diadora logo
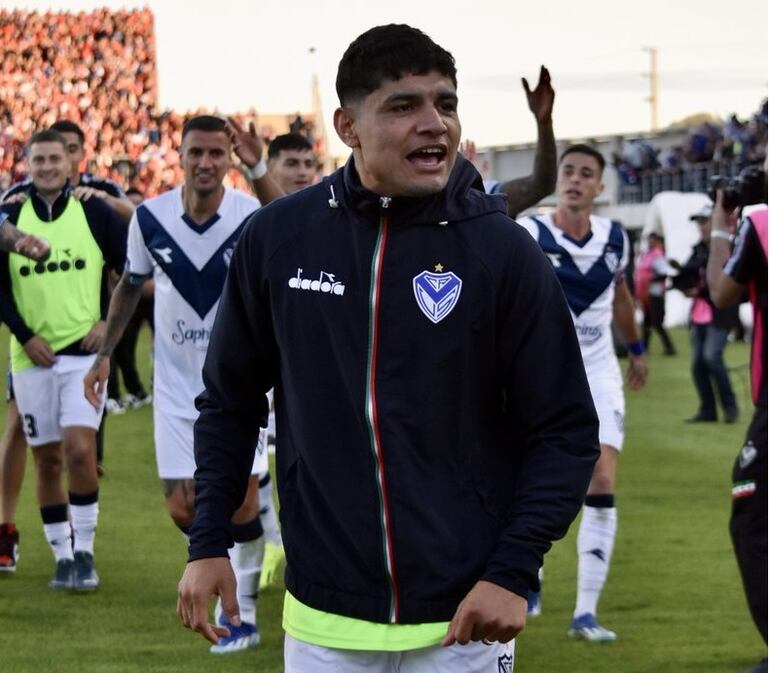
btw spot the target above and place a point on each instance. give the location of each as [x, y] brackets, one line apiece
[227, 255]
[325, 283]
[164, 254]
[555, 258]
[60, 260]
[436, 293]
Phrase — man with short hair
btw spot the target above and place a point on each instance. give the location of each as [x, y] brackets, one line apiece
[84, 185]
[291, 162]
[184, 240]
[53, 310]
[589, 254]
[435, 432]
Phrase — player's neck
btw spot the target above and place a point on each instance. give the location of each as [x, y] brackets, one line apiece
[201, 207]
[574, 223]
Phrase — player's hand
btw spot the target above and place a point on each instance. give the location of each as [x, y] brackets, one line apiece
[19, 197]
[201, 580]
[247, 145]
[637, 371]
[541, 99]
[95, 381]
[83, 193]
[488, 612]
[39, 351]
[93, 341]
[33, 247]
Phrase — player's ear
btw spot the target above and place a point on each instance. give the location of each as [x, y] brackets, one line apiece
[345, 125]
[600, 188]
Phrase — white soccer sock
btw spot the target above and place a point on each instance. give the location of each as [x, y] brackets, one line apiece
[246, 559]
[267, 511]
[84, 518]
[59, 538]
[595, 541]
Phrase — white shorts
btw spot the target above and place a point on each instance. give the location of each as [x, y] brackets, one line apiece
[607, 393]
[174, 447]
[302, 657]
[52, 398]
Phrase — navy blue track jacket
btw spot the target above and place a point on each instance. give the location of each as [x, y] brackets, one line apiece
[434, 423]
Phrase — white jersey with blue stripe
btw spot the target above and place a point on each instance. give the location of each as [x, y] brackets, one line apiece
[189, 264]
[588, 271]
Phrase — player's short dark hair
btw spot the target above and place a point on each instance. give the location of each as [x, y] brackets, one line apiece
[47, 136]
[582, 148]
[389, 52]
[288, 141]
[67, 126]
[208, 123]
[134, 190]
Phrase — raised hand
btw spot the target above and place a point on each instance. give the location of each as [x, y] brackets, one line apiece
[246, 144]
[540, 100]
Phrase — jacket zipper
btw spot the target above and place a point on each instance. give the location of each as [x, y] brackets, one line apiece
[371, 409]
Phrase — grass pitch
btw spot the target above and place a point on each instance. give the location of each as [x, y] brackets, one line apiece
[674, 595]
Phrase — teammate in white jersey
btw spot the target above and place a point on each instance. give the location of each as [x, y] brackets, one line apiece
[589, 254]
[184, 239]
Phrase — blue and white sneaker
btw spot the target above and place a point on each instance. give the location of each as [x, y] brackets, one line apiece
[534, 606]
[586, 627]
[64, 579]
[86, 577]
[241, 637]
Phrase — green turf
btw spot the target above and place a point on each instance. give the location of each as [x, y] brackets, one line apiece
[673, 595]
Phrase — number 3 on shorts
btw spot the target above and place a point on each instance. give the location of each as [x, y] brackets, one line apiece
[30, 425]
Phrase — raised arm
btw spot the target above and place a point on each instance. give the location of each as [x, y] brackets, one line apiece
[724, 289]
[248, 148]
[525, 192]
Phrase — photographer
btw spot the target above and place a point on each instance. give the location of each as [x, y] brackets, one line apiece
[728, 279]
[709, 327]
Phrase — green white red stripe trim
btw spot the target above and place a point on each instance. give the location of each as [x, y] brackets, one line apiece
[375, 438]
[744, 489]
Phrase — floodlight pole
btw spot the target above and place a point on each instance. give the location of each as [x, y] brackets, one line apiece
[653, 76]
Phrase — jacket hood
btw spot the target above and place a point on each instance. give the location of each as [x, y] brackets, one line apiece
[462, 198]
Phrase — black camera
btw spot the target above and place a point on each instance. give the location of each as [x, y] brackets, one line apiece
[749, 186]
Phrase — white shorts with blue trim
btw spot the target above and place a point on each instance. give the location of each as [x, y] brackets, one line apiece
[174, 452]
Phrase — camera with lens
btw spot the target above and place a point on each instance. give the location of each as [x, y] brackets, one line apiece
[748, 187]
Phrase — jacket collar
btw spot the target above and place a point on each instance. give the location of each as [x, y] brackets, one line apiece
[41, 206]
[462, 198]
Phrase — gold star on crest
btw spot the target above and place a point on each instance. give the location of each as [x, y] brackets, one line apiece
[439, 267]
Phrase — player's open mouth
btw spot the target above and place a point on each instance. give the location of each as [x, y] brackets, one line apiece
[573, 192]
[428, 157]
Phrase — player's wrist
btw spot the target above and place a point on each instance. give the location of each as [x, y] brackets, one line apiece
[259, 170]
[724, 234]
[636, 348]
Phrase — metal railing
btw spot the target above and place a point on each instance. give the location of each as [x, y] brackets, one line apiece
[692, 178]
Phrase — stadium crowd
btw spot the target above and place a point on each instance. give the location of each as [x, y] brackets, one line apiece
[98, 70]
[738, 142]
